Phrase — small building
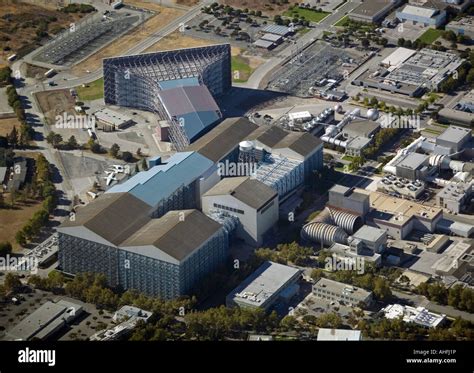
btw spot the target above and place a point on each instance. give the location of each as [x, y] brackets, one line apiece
[422, 15]
[355, 255]
[454, 138]
[454, 196]
[339, 292]
[351, 199]
[373, 238]
[270, 284]
[45, 321]
[325, 334]
[131, 312]
[418, 315]
[413, 166]
[356, 145]
[358, 127]
[252, 202]
[277, 30]
[373, 11]
[463, 26]
[111, 120]
[274, 38]
[265, 44]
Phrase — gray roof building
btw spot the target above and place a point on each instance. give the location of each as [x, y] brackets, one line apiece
[364, 128]
[249, 191]
[338, 291]
[265, 286]
[373, 10]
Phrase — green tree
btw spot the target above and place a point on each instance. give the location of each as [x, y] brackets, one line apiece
[114, 150]
[5, 248]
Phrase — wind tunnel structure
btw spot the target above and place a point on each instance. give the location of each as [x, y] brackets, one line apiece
[331, 225]
[137, 81]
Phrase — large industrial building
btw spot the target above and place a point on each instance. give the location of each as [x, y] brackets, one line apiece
[252, 202]
[373, 11]
[164, 257]
[411, 72]
[178, 85]
[422, 15]
[269, 284]
[284, 160]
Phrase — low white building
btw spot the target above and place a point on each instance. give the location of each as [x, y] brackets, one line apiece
[252, 202]
[325, 334]
[418, 315]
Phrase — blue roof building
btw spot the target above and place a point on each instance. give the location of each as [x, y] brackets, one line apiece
[169, 186]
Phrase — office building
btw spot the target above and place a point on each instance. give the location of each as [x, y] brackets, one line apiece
[334, 291]
[373, 238]
[271, 284]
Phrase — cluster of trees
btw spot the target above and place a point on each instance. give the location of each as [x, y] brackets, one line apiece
[43, 188]
[457, 296]
[54, 282]
[464, 74]
[407, 43]
[288, 253]
[453, 38]
[380, 139]
[115, 152]
[78, 8]
[5, 248]
[26, 131]
[5, 76]
[56, 140]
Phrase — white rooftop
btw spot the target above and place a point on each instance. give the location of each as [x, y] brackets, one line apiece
[419, 315]
[338, 335]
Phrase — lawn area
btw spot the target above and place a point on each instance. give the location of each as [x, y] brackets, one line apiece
[241, 69]
[348, 158]
[342, 22]
[430, 35]
[308, 14]
[92, 91]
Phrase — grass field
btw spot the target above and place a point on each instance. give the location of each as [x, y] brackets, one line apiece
[430, 35]
[342, 22]
[92, 91]
[241, 70]
[308, 14]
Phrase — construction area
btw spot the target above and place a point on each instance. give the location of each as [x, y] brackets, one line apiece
[84, 38]
[317, 66]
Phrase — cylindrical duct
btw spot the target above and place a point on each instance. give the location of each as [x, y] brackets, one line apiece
[347, 221]
[324, 233]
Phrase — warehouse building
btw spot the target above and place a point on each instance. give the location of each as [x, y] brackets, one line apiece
[373, 11]
[422, 15]
[46, 321]
[454, 138]
[176, 183]
[413, 166]
[335, 291]
[411, 73]
[271, 284]
[252, 202]
[164, 257]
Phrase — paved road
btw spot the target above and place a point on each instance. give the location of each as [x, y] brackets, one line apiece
[256, 79]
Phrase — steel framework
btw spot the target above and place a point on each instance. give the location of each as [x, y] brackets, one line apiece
[133, 81]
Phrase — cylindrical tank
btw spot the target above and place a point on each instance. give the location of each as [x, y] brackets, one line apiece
[325, 233]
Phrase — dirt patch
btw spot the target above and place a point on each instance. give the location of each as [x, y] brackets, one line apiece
[7, 124]
[21, 23]
[35, 72]
[187, 2]
[163, 17]
[177, 40]
[266, 6]
[55, 102]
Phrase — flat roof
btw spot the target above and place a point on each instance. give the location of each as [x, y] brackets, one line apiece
[262, 284]
[419, 11]
[371, 8]
[341, 288]
[111, 116]
[399, 56]
[276, 29]
[454, 134]
[358, 142]
[325, 334]
[401, 208]
[245, 189]
[263, 43]
[361, 127]
[413, 161]
[271, 37]
[368, 233]
[466, 23]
